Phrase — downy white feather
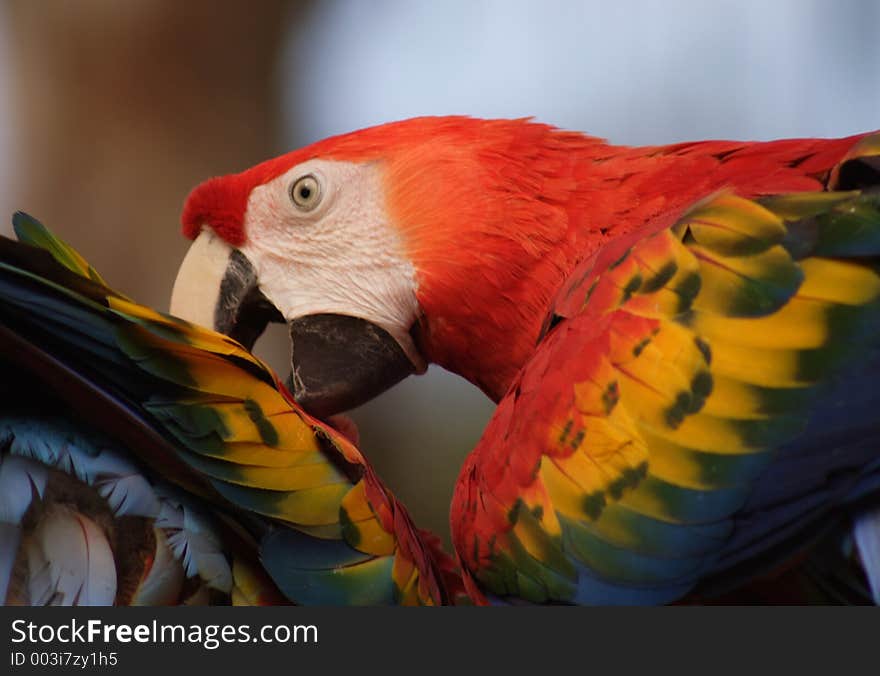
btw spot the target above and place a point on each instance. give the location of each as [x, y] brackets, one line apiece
[70, 561]
[164, 580]
[867, 536]
[20, 479]
[193, 541]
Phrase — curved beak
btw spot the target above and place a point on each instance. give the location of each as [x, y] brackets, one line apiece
[337, 361]
[217, 287]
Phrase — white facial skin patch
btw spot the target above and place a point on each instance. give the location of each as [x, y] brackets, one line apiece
[337, 254]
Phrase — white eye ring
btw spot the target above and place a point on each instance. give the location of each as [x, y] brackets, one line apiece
[305, 192]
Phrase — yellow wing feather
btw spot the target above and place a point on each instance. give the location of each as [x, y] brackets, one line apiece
[688, 363]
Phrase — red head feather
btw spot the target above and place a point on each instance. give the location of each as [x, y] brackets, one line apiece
[220, 202]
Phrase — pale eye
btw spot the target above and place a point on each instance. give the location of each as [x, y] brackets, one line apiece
[305, 192]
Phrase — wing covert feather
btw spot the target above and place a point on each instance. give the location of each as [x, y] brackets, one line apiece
[675, 384]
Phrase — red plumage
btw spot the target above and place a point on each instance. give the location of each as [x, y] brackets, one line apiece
[496, 214]
[503, 221]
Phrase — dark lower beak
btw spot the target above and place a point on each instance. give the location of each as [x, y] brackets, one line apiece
[339, 362]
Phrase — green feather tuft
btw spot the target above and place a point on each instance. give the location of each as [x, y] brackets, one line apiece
[30, 231]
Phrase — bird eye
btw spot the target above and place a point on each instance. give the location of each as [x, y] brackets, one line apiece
[305, 192]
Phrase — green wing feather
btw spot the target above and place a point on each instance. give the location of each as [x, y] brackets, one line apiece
[31, 231]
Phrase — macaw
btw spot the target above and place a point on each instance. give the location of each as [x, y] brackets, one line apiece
[148, 461]
[682, 340]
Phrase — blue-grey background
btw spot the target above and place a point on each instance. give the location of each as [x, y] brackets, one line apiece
[632, 71]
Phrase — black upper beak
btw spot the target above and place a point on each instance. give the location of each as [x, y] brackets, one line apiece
[242, 311]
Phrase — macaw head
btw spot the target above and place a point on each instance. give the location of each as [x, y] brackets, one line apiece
[427, 240]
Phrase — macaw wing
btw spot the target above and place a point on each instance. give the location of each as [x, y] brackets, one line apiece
[704, 395]
[195, 407]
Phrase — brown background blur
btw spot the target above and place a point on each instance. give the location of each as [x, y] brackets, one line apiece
[118, 109]
[110, 112]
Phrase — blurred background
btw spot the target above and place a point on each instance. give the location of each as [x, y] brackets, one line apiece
[110, 112]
